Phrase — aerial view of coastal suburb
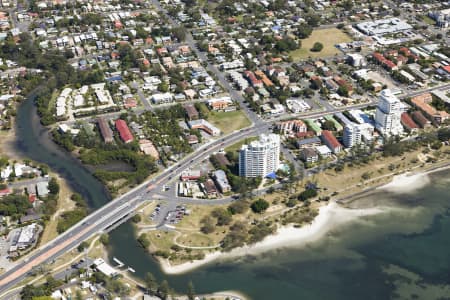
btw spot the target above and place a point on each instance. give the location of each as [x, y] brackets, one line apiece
[224, 149]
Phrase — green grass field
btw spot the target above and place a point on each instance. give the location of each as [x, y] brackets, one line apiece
[229, 121]
[428, 20]
[239, 144]
[328, 37]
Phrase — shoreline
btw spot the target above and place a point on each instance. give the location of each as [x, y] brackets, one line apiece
[331, 215]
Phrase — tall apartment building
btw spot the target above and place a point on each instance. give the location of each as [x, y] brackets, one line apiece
[388, 114]
[260, 158]
[355, 134]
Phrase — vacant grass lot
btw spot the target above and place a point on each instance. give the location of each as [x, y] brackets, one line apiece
[230, 121]
[238, 145]
[328, 37]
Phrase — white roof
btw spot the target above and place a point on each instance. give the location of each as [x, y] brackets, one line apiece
[323, 150]
[105, 268]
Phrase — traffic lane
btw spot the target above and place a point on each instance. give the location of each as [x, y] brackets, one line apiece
[39, 258]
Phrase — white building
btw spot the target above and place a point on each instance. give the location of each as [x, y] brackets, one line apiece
[355, 134]
[27, 236]
[383, 26]
[261, 157]
[388, 114]
[162, 98]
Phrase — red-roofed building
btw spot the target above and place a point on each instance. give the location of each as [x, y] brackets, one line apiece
[446, 69]
[405, 51]
[118, 24]
[124, 131]
[115, 55]
[384, 61]
[330, 140]
[255, 82]
[32, 198]
[408, 122]
[5, 192]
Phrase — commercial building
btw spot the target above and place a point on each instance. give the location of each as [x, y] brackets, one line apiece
[124, 131]
[27, 236]
[190, 175]
[388, 114]
[260, 158]
[383, 26]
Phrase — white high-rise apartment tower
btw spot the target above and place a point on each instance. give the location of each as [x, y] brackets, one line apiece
[260, 158]
[388, 114]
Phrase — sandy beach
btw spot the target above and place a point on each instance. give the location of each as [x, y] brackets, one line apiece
[407, 183]
[328, 218]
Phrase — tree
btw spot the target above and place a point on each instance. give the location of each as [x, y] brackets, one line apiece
[143, 241]
[150, 282]
[317, 47]
[53, 186]
[342, 91]
[260, 206]
[78, 295]
[328, 125]
[207, 225]
[238, 207]
[223, 216]
[82, 246]
[179, 33]
[191, 291]
[136, 218]
[163, 290]
[104, 239]
[307, 194]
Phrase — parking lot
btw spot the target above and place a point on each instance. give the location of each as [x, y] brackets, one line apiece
[5, 243]
[167, 213]
[175, 216]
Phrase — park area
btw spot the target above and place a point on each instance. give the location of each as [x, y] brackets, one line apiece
[230, 121]
[328, 37]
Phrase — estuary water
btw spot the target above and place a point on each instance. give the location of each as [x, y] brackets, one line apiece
[403, 253]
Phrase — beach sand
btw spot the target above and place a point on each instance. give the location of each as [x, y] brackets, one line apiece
[328, 218]
[407, 183]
